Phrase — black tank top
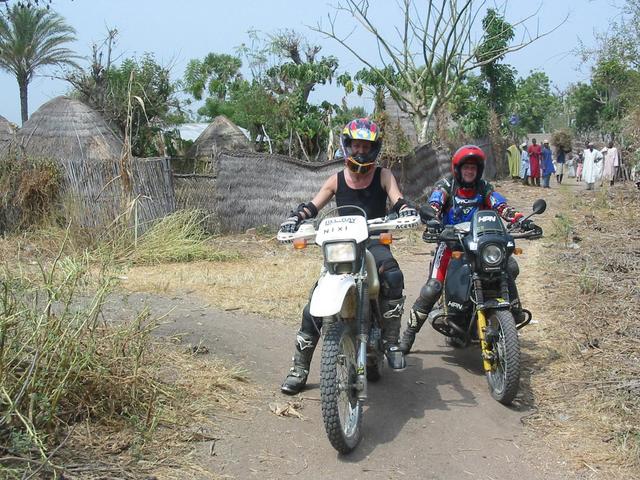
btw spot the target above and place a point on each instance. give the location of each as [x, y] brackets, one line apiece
[373, 199]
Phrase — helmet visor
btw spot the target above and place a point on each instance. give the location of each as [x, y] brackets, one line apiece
[359, 167]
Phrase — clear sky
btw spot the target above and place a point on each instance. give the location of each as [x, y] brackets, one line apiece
[177, 31]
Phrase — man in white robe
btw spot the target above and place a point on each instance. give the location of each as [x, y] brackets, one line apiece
[592, 167]
[611, 163]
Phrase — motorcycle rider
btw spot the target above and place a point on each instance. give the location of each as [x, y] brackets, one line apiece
[367, 186]
[454, 199]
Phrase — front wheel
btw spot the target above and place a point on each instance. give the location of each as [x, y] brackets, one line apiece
[504, 377]
[341, 409]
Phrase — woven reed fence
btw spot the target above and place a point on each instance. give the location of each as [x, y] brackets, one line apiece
[248, 189]
[253, 189]
[93, 191]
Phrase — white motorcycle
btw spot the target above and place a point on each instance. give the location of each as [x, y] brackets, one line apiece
[346, 298]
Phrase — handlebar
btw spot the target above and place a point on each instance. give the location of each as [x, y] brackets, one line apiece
[307, 229]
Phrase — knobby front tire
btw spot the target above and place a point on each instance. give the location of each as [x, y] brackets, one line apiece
[341, 410]
[504, 379]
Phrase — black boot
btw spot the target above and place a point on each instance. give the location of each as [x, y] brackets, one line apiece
[513, 270]
[297, 376]
[429, 295]
[391, 318]
[416, 321]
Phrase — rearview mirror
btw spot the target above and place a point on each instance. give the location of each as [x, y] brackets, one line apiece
[539, 206]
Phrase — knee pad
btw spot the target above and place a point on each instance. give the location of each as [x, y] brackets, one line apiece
[512, 268]
[431, 289]
[429, 295]
[391, 279]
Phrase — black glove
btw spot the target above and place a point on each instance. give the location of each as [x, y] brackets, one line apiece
[291, 224]
[525, 225]
[407, 211]
[427, 213]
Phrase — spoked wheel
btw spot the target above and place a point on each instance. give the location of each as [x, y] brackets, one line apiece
[504, 379]
[341, 410]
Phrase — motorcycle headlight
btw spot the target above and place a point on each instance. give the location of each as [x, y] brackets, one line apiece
[340, 252]
[492, 255]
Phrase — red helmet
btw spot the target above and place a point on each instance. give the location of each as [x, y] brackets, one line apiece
[467, 154]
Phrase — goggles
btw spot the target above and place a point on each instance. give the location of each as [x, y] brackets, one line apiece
[357, 167]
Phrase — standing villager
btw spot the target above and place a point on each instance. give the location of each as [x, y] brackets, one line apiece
[546, 166]
[571, 165]
[592, 168]
[524, 164]
[580, 164]
[535, 156]
[513, 160]
[560, 162]
[611, 164]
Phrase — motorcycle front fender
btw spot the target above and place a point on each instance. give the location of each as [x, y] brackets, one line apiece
[328, 296]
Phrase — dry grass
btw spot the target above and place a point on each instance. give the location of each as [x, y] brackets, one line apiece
[586, 353]
[198, 390]
[86, 397]
[265, 278]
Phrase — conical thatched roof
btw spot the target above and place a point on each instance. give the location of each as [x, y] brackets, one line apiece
[64, 128]
[6, 133]
[221, 136]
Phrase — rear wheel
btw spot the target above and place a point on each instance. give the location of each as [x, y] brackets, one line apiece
[504, 378]
[341, 409]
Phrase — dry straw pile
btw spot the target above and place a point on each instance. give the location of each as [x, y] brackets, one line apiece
[587, 379]
[83, 397]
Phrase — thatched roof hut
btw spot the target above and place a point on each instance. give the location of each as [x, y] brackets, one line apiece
[222, 135]
[7, 133]
[64, 128]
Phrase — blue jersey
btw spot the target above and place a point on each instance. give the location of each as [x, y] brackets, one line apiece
[459, 206]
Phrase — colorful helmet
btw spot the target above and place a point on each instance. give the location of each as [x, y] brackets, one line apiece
[360, 129]
[467, 154]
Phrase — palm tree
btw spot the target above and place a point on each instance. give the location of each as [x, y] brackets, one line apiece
[31, 38]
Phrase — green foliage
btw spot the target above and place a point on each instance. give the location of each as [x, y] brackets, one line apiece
[141, 84]
[470, 108]
[31, 38]
[216, 74]
[500, 79]
[493, 89]
[374, 81]
[285, 69]
[583, 99]
[534, 102]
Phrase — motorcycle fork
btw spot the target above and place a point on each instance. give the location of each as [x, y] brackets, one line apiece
[487, 353]
[481, 322]
[362, 336]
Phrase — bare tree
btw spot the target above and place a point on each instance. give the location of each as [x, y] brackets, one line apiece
[433, 52]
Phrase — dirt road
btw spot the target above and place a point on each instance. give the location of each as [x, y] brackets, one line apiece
[428, 421]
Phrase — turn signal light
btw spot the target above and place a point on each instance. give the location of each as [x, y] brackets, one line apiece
[456, 255]
[386, 238]
[517, 251]
[300, 243]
